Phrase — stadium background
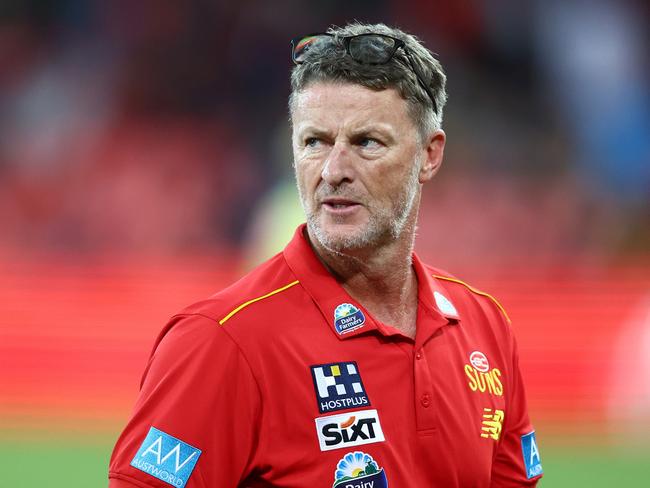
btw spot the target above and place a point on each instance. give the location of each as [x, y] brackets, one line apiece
[144, 164]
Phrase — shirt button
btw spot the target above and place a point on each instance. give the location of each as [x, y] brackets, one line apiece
[418, 355]
[425, 401]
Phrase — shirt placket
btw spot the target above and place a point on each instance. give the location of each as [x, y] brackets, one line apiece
[425, 353]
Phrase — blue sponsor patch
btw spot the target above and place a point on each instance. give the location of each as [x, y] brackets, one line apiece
[359, 470]
[166, 458]
[347, 318]
[338, 386]
[532, 461]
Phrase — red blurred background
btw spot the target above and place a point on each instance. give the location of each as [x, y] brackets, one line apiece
[145, 164]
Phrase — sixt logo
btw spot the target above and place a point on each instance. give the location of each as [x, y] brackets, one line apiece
[349, 429]
[481, 377]
[166, 458]
[347, 318]
[338, 386]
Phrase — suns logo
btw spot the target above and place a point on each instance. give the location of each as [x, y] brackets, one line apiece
[481, 377]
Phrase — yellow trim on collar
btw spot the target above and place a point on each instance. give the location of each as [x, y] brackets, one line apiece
[478, 292]
[246, 304]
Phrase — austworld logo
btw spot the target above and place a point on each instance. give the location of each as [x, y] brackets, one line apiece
[166, 458]
[530, 451]
[347, 318]
[359, 470]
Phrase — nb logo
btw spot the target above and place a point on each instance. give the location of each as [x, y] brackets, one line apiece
[166, 458]
[492, 424]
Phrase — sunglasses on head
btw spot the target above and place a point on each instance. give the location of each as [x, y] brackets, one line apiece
[364, 49]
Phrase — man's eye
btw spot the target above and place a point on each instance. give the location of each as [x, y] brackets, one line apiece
[311, 142]
[368, 142]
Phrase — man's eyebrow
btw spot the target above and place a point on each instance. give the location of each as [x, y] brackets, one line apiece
[313, 130]
[375, 130]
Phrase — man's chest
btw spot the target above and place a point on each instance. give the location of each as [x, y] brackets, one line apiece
[375, 411]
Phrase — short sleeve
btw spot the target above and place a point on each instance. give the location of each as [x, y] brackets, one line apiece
[517, 462]
[196, 420]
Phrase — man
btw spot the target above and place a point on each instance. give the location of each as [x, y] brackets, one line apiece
[343, 361]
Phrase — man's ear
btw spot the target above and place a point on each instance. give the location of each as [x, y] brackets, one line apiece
[434, 151]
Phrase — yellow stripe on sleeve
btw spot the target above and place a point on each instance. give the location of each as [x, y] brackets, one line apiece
[246, 304]
[478, 292]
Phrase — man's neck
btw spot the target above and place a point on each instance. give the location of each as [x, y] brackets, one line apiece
[381, 278]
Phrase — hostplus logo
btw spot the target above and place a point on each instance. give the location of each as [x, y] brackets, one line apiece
[166, 458]
[338, 386]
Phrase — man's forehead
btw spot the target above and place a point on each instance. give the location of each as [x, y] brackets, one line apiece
[329, 101]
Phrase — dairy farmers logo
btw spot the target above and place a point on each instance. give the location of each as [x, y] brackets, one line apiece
[347, 318]
[359, 470]
[166, 458]
[349, 429]
[481, 377]
[338, 386]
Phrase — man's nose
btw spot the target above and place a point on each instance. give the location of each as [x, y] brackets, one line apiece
[338, 166]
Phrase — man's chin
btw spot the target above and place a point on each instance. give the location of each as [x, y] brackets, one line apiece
[340, 238]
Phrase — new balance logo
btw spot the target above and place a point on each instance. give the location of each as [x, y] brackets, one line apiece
[492, 424]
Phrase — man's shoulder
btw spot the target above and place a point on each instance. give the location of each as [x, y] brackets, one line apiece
[464, 293]
[255, 292]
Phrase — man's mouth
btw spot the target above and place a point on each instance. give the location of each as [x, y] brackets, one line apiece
[339, 203]
[340, 206]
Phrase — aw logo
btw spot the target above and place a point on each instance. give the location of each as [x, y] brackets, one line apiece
[532, 461]
[349, 429]
[338, 386]
[347, 318]
[166, 458]
[359, 470]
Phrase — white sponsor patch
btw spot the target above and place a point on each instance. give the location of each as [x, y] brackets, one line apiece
[349, 429]
[444, 305]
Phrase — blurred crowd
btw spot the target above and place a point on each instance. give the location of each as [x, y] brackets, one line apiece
[161, 126]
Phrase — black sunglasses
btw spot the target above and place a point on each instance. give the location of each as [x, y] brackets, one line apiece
[364, 49]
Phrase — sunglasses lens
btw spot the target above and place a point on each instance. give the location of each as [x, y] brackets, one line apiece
[302, 46]
[372, 49]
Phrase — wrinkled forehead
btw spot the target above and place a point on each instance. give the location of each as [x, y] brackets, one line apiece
[334, 103]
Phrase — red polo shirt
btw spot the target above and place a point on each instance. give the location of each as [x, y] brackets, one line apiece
[284, 380]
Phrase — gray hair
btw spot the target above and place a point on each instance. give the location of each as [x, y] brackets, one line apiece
[329, 63]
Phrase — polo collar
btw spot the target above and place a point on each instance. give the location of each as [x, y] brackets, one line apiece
[346, 317]
[431, 294]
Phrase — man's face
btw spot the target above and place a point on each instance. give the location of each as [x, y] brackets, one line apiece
[357, 160]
